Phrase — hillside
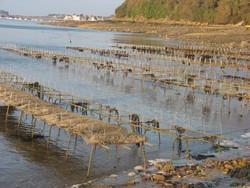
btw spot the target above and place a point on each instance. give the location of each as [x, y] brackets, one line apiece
[211, 11]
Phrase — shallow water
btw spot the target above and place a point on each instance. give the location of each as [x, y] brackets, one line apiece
[29, 163]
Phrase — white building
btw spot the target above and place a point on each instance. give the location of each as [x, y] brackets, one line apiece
[68, 17]
[93, 18]
[76, 17]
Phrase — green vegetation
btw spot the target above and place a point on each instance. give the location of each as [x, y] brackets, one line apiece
[211, 11]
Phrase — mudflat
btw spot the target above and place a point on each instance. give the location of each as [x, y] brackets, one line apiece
[225, 36]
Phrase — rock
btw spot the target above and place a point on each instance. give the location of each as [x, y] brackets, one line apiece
[158, 178]
[199, 167]
[226, 171]
[78, 186]
[233, 173]
[113, 176]
[235, 163]
[129, 183]
[228, 166]
[168, 185]
[152, 162]
[137, 180]
[162, 173]
[162, 160]
[146, 177]
[131, 174]
[243, 173]
[248, 177]
[160, 165]
[168, 168]
[139, 168]
[190, 172]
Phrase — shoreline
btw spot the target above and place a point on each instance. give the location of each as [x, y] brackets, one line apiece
[223, 36]
[207, 173]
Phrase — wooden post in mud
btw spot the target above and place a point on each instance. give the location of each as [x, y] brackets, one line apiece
[187, 150]
[67, 152]
[90, 158]
[228, 107]
[58, 134]
[222, 104]
[20, 119]
[219, 151]
[144, 156]
[7, 113]
[172, 151]
[76, 136]
[49, 136]
[118, 152]
[242, 108]
[33, 127]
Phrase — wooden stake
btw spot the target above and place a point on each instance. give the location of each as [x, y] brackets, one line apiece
[49, 136]
[118, 152]
[242, 108]
[67, 153]
[7, 113]
[33, 127]
[90, 158]
[144, 156]
[229, 100]
[172, 151]
[20, 119]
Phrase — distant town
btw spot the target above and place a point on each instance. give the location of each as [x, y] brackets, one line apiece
[74, 17]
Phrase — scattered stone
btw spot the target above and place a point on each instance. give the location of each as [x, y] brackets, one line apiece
[77, 186]
[162, 173]
[243, 173]
[158, 177]
[228, 166]
[160, 165]
[168, 168]
[139, 168]
[168, 185]
[113, 176]
[190, 172]
[162, 160]
[146, 177]
[152, 162]
[131, 174]
[130, 183]
[137, 180]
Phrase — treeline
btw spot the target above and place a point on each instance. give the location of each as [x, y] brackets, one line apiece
[210, 11]
[3, 12]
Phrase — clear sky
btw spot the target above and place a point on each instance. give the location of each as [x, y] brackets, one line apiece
[45, 7]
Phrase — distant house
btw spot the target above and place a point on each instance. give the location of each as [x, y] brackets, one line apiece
[93, 18]
[76, 17]
[68, 17]
[100, 18]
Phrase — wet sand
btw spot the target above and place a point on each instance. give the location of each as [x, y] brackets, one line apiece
[229, 36]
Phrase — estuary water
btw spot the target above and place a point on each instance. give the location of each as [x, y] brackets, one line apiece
[27, 162]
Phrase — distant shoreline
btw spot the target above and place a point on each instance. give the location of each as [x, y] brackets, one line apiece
[225, 36]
